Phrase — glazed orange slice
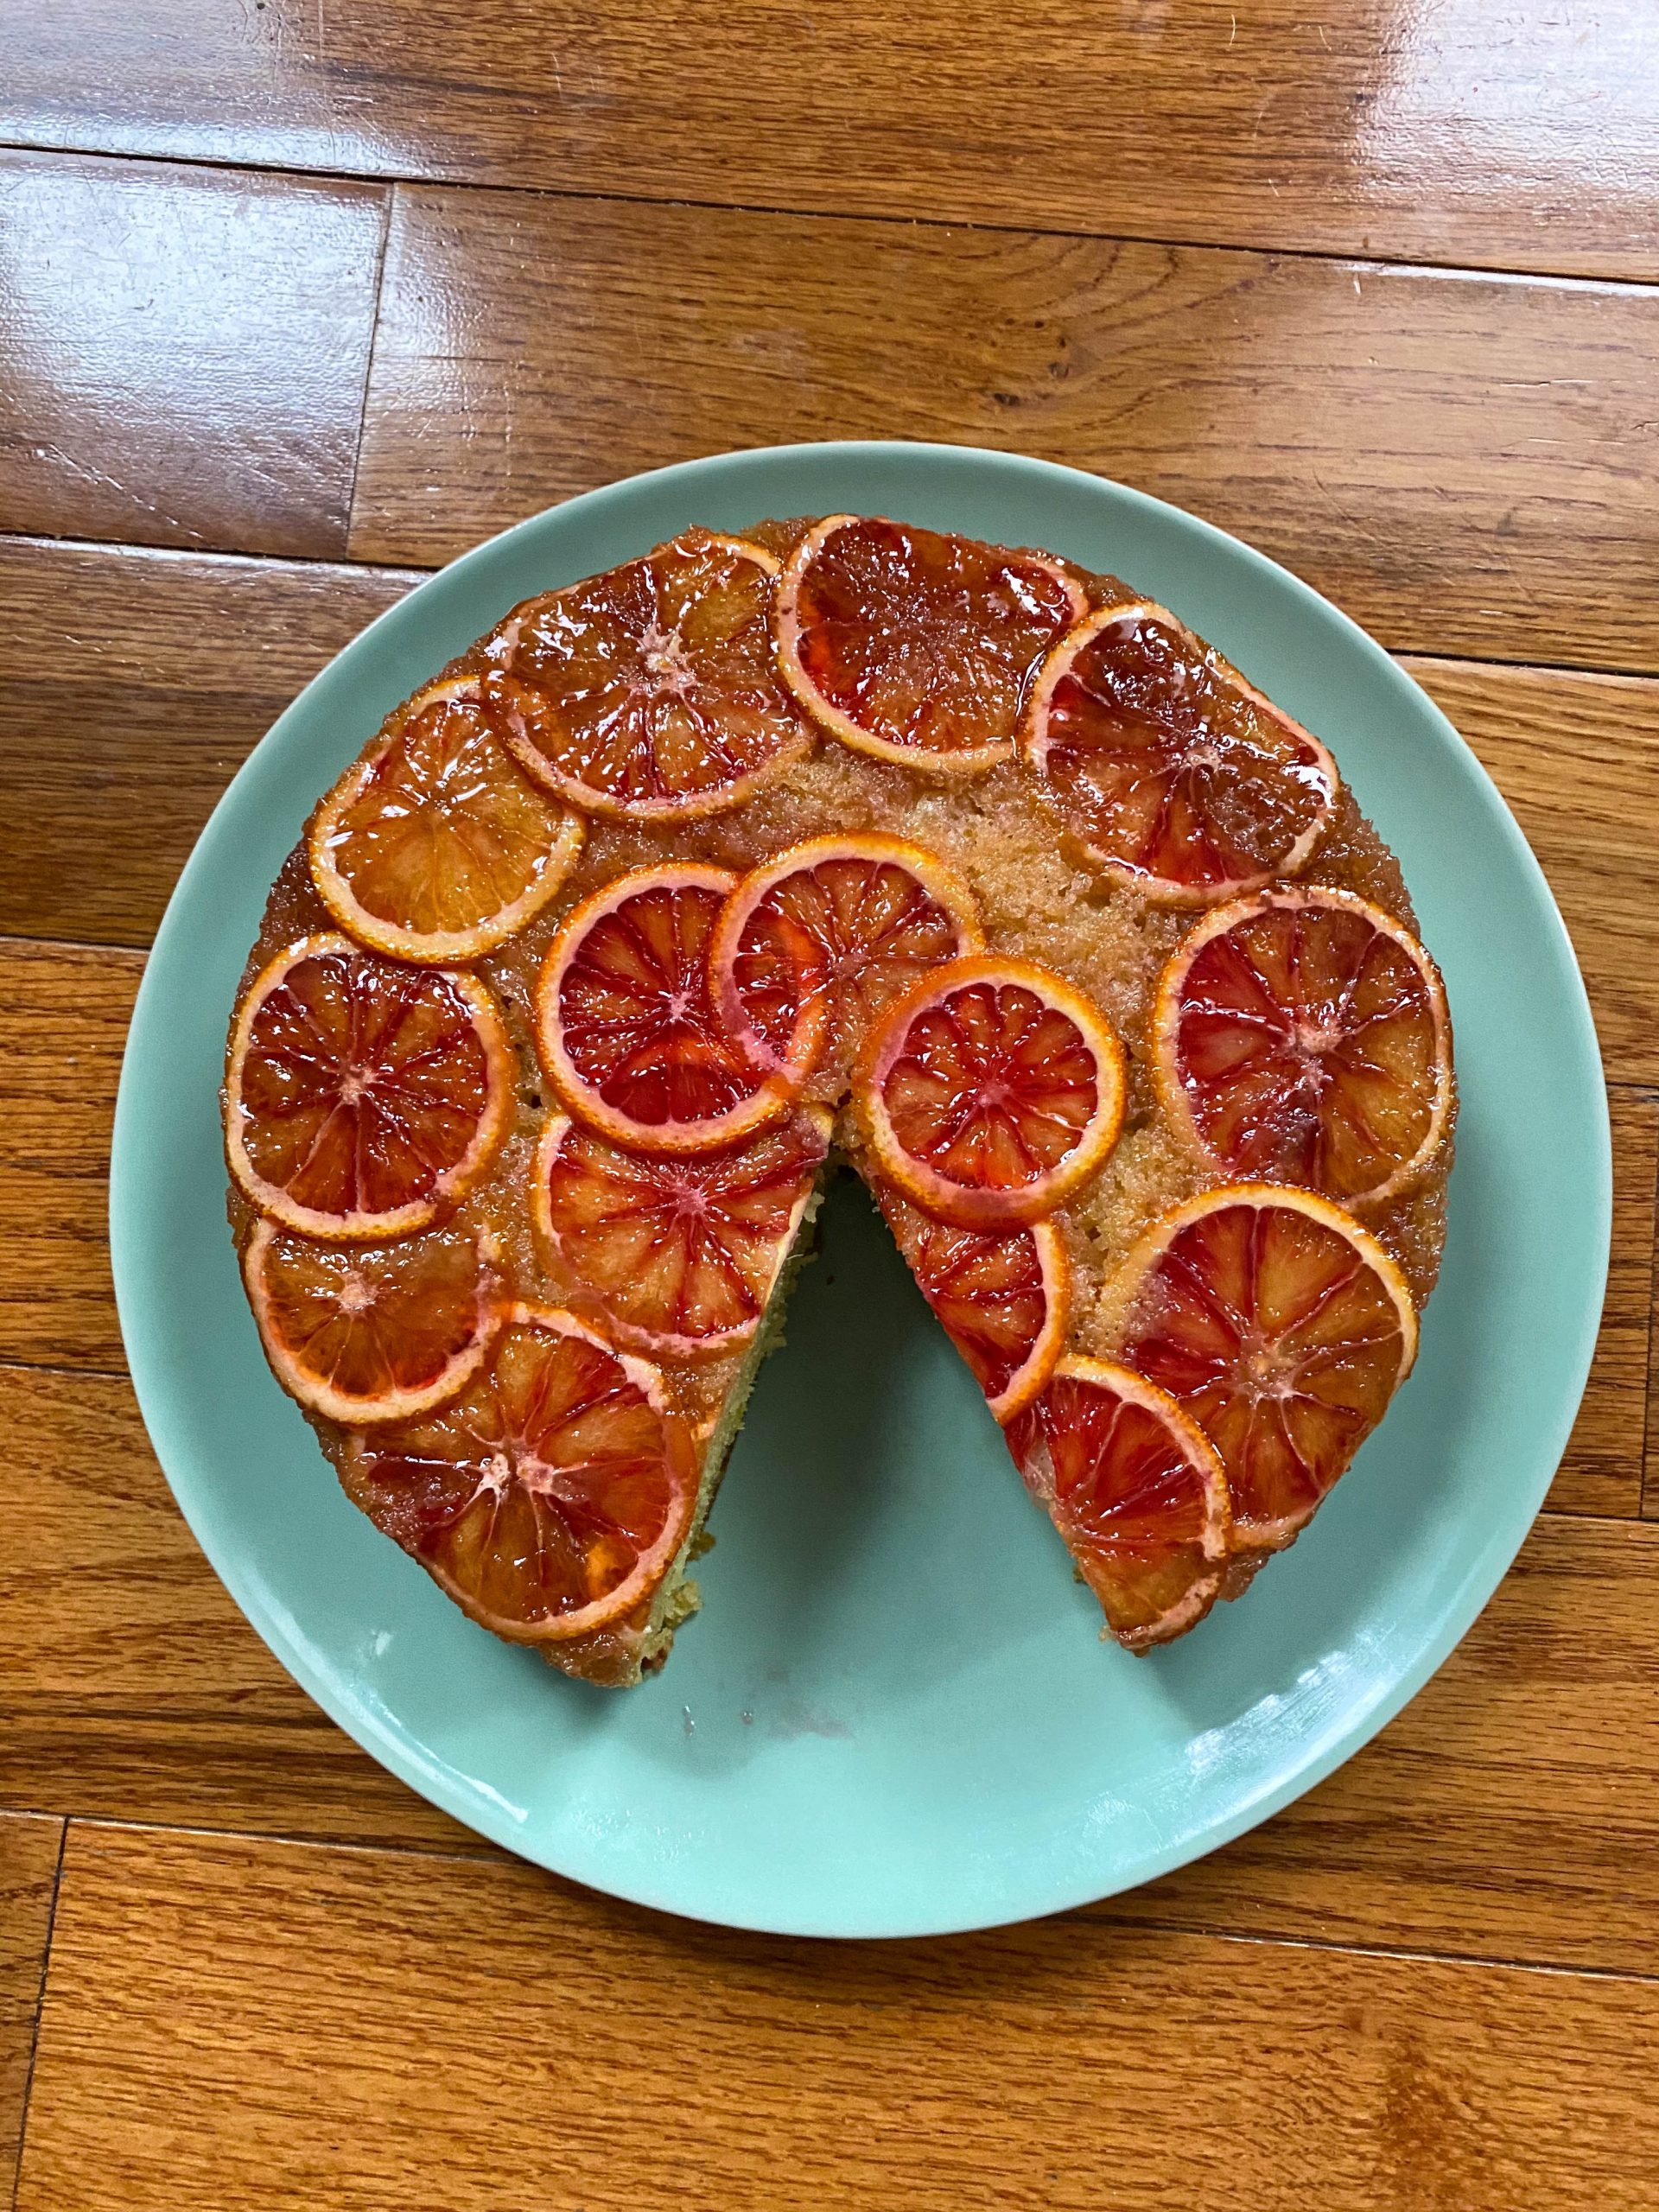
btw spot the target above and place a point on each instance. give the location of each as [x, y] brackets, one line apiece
[990, 1092]
[680, 1252]
[551, 1499]
[626, 1025]
[1136, 1490]
[1301, 1035]
[915, 647]
[437, 847]
[1004, 1297]
[811, 948]
[1282, 1328]
[651, 692]
[1172, 773]
[363, 1098]
[363, 1333]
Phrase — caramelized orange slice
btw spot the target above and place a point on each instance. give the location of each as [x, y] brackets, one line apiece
[651, 692]
[680, 1252]
[1171, 772]
[990, 1092]
[1282, 1328]
[811, 948]
[1004, 1298]
[551, 1499]
[1302, 1036]
[363, 1098]
[1136, 1492]
[437, 847]
[915, 647]
[364, 1333]
[627, 1029]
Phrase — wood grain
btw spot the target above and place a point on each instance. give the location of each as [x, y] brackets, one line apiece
[130, 1684]
[135, 684]
[1464, 462]
[28, 1873]
[1578, 759]
[1602, 1469]
[63, 1021]
[182, 352]
[1506, 1814]
[1363, 127]
[251, 2024]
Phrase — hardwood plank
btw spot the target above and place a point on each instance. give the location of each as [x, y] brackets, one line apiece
[1361, 128]
[1602, 1469]
[374, 2062]
[136, 683]
[130, 1684]
[182, 352]
[1508, 1811]
[1505, 1814]
[1463, 462]
[1577, 757]
[63, 1022]
[29, 1874]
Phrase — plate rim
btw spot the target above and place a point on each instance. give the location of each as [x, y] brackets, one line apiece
[399, 1752]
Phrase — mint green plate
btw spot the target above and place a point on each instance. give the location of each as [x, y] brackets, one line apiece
[894, 1716]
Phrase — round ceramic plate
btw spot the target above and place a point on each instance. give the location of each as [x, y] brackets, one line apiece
[894, 1716]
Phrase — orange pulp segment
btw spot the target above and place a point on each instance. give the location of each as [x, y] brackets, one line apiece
[651, 692]
[990, 1092]
[437, 847]
[1282, 1327]
[915, 647]
[1171, 772]
[679, 1251]
[1302, 1036]
[1136, 1492]
[364, 1099]
[551, 1499]
[811, 947]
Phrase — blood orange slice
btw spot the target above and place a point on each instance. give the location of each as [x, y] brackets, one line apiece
[1004, 1298]
[1302, 1036]
[835, 928]
[1173, 773]
[1136, 1491]
[551, 1499]
[627, 1029]
[990, 1092]
[1282, 1327]
[680, 1252]
[437, 847]
[372, 1332]
[651, 692]
[915, 647]
[363, 1098]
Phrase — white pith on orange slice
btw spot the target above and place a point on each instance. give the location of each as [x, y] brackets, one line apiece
[1003, 1297]
[650, 693]
[680, 1251]
[626, 1026]
[550, 1498]
[1136, 1490]
[1282, 1327]
[1170, 771]
[437, 847]
[915, 647]
[1301, 1036]
[365, 1333]
[364, 1098]
[811, 947]
[990, 1092]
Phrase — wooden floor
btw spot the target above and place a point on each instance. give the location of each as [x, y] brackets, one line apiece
[299, 298]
